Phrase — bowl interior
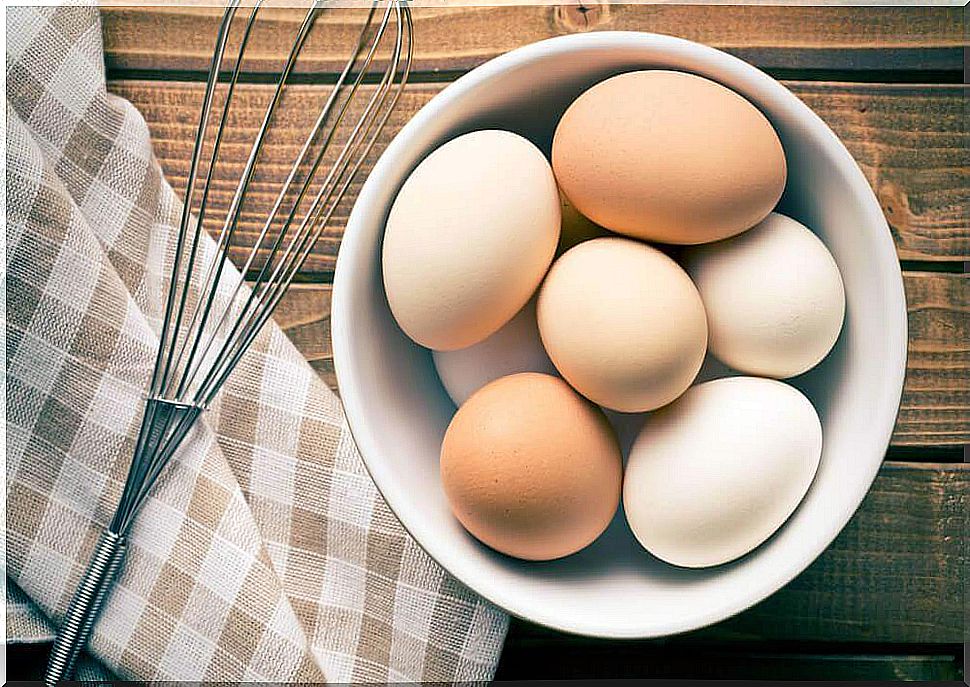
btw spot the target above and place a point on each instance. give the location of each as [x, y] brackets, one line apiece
[398, 410]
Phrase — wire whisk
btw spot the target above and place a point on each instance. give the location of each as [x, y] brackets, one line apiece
[206, 333]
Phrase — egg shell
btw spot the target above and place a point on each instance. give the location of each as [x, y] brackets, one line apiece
[774, 298]
[530, 468]
[469, 237]
[622, 323]
[714, 474]
[515, 347]
[668, 156]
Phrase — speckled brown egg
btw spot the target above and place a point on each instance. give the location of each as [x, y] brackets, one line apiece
[668, 156]
[531, 468]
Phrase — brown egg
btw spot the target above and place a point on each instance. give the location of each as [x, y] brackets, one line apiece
[668, 156]
[530, 468]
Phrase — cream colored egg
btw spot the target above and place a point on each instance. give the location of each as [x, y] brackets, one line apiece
[773, 295]
[622, 323]
[668, 156]
[515, 347]
[714, 474]
[469, 237]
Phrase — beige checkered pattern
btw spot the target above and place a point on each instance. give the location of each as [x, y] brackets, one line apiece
[265, 553]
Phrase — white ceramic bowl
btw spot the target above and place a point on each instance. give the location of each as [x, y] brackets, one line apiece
[398, 411]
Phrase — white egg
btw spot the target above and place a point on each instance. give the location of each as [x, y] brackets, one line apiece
[516, 347]
[714, 474]
[469, 238]
[773, 295]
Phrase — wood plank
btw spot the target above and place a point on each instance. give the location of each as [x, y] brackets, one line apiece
[935, 408]
[894, 574]
[913, 144]
[461, 35]
[524, 658]
[304, 314]
[911, 141]
[561, 657]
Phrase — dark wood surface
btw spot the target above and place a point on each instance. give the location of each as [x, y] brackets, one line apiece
[887, 599]
[910, 140]
[463, 35]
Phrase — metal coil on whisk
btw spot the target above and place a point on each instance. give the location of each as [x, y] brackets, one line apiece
[204, 333]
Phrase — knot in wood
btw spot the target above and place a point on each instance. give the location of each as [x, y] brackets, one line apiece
[582, 16]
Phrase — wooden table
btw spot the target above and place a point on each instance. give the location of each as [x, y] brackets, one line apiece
[886, 600]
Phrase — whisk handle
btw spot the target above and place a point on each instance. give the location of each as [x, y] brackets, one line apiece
[85, 606]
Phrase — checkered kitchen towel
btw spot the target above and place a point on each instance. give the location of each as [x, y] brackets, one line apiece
[266, 554]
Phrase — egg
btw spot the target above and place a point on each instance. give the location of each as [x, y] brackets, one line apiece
[515, 347]
[714, 474]
[622, 323]
[530, 468]
[668, 156]
[774, 298]
[469, 237]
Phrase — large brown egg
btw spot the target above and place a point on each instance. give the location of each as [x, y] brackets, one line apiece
[531, 468]
[668, 156]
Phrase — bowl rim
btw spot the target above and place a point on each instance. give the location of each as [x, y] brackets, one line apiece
[884, 251]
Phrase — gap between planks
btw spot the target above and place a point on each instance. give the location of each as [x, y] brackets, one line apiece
[898, 39]
[556, 656]
[910, 141]
[935, 409]
[532, 654]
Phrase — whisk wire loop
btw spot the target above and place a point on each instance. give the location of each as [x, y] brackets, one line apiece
[160, 368]
[252, 302]
[266, 293]
[224, 240]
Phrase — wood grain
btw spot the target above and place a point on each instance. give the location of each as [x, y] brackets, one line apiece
[894, 574]
[526, 657]
[304, 314]
[459, 37]
[935, 409]
[911, 141]
[913, 144]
